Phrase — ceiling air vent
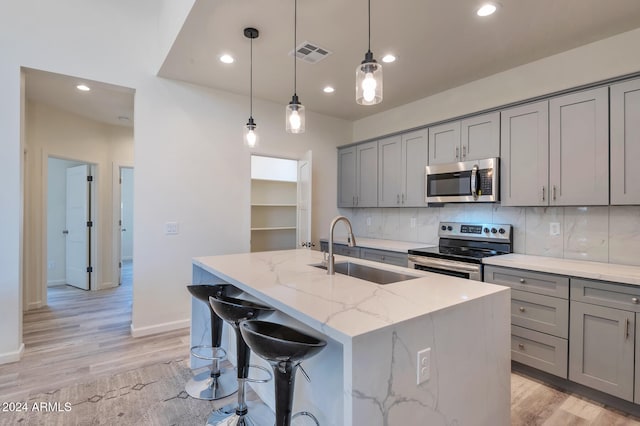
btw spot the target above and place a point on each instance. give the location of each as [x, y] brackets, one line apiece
[310, 52]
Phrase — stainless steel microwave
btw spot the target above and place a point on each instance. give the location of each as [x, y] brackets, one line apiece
[463, 182]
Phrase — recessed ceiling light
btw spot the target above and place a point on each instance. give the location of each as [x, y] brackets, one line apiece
[388, 58]
[487, 9]
[83, 87]
[227, 59]
[328, 89]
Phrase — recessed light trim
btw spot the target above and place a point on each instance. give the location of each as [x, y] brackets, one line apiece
[328, 89]
[389, 58]
[487, 9]
[227, 59]
[83, 87]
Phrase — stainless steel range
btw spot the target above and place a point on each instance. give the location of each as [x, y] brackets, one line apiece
[461, 248]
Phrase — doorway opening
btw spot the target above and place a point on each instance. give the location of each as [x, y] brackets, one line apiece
[70, 223]
[124, 256]
[280, 203]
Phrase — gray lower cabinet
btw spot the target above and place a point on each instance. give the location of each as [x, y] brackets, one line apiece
[376, 255]
[539, 317]
[601, 350]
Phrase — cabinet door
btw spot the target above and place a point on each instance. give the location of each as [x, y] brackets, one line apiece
[625, 143]
[524, 155]
[637, 372]
[389, 172]
[347, 177]
[601, 348]
[444, 143]
[480, 137]
[579, 148]
[367, 174]
[414, 161]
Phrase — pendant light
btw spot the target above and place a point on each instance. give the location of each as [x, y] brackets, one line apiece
[369, 76]
[294, 112]
[250, 133]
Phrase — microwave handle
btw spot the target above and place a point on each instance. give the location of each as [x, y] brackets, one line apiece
[474, 182]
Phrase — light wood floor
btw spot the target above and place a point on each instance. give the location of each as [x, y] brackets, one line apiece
[82, 335]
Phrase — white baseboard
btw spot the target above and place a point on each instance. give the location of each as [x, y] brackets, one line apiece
[8, 357]
[159, 328]
[51, 283]
[34, 305]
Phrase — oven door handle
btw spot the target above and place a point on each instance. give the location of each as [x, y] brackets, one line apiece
[444, 264]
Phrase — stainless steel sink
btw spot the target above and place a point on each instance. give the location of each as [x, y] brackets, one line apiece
[368, 273]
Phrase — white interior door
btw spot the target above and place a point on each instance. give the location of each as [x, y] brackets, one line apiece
[126, 216]
[77, 243]
[303, 228]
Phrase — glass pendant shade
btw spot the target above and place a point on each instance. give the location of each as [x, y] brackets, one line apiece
[369, 81]
[294, 115]
[250, 133]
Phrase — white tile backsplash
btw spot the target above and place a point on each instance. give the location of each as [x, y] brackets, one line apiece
[624, 235]
[586, 233]
[537, 224]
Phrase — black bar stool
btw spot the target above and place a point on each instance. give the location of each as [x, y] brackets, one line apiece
[245, 413]
[214, 383]
[284, 348]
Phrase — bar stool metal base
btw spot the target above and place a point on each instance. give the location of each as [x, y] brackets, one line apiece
[258, 414]
[203, 386]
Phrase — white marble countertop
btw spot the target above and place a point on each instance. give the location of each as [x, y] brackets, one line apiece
[339, 306]
[390, 245]
[576, 268]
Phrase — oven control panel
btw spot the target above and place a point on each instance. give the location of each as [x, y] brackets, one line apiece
[475, 231]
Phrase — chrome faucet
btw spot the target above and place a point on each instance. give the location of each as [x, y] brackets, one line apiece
[351, 240]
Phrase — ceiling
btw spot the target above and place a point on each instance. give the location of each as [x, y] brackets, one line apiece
[440, 44]
[105, 103]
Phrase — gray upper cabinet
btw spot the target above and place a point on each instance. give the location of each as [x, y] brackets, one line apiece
[625, 142]
[579, 148]
[524, 155]
[444, 143]
[401, 168]
[473, 138]
[358, 175]
[389, 171]
[347, 177]
[480, 137]
[367, 174]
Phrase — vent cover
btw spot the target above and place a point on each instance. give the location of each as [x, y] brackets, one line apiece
[310, 52]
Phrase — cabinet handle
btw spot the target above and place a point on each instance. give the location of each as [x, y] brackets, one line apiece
[353, 200]
[397, 198]
[464, 151]
[554, 192]
[521, 346]
[403, 198]
[543, 193]
[522, 281]
[626, 328]
[522, 309]
[457, 152]
[635, 300]
[357, 200]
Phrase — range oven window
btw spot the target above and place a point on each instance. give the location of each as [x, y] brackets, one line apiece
[449, 184]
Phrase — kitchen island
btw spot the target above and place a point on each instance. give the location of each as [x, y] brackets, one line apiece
[367, 373]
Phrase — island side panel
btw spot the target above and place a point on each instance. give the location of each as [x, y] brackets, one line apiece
[201, 318]
[470, 368]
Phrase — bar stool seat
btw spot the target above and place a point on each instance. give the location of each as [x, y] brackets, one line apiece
[284, 348]
[244, 413]
[213, 383]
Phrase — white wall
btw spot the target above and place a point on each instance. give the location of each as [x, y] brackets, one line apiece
[57, 219]
[127, 213]
[604, 59]
[191, 165]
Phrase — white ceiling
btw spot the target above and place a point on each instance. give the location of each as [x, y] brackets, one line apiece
[105, 103]
[439, 44]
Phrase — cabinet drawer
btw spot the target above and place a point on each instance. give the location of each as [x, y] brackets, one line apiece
[604, 293]
[345, 250]
[384, 256]
[540, 313]
[536, 282]
[539, 350]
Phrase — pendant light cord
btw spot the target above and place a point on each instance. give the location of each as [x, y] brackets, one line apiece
[295, 33]
[251, 81]
[369, 25]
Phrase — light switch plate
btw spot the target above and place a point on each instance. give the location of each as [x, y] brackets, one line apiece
[368, 220]
[554, 229]
[171, 228]
[423, 366]
[412, 222]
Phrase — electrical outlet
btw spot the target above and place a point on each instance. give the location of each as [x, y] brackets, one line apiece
[423, 366]
[554, 229]
[51, 265]
[369, 221]
[412, 222]
[171, 228]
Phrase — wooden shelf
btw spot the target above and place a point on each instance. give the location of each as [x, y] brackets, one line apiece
[275, 228]
[274, 205]
[274, 180]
